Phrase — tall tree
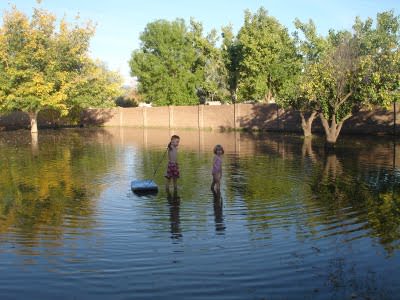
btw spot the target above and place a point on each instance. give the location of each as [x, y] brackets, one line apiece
[355, 70]
[210, 67]
[231, 57]
[338, 73]
[380, 61]
[40, 66]
[296, 95]
[268, 57]
[165, 64]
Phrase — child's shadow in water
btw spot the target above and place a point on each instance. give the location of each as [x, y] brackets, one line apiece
[218, 212]
[174, 202]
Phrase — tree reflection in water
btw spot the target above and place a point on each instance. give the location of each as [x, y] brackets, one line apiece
[372, 197]
[49, 186]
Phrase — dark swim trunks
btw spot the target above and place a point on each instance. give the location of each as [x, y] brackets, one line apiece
[172, 170]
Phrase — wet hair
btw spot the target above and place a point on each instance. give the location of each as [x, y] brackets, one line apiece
[175, 137]
[218, 147]
[172, 138]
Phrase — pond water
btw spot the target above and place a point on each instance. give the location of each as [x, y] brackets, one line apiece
[292, 222]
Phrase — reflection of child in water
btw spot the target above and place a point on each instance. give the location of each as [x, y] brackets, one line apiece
[173, 167]
[174, 203]
[217, 168]
[218, 213]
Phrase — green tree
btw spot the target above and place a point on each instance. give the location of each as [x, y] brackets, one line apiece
[356, 70]
[310, 46]
[210, 67]
[338, 74]
[98, 87]
[380, 61]
[166, 64]
[40, 66]
[268, 57]
[231, 57]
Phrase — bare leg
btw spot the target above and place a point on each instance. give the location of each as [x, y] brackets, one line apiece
[217, 180]
[174, 180]
[167, 184]
[217, 186]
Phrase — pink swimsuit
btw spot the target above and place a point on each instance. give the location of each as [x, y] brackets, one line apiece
[217, 166]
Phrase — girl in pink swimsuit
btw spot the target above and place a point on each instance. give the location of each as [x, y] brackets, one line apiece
[217, 168]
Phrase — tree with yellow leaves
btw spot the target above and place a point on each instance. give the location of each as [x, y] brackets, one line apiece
[44, 66]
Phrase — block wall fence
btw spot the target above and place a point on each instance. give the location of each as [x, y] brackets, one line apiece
[268, 117]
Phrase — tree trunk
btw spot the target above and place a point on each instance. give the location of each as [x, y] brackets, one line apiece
[233, 95]
[33, 117]
[268, 97]
[332, 130]
[306, 124]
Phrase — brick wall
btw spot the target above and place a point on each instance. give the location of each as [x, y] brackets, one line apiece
[214, 117]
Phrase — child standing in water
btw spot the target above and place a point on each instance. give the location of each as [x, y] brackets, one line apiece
[172, 173]
[217, 169]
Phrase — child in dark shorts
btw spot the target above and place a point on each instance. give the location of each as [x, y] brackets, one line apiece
[172, 173]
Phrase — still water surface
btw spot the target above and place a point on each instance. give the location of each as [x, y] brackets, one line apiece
[293, 222]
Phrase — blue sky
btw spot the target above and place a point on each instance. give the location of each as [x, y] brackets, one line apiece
[120, 22]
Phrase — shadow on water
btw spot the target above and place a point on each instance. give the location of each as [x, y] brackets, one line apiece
[145, 193]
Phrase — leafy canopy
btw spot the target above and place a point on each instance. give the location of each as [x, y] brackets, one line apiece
[45, 66]
[167, 64]
[268, 57]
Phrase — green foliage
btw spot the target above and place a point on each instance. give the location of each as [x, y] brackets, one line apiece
[43, 66]
[268, 57]
[297, 93]
[231, 57]
[380, 62]
[312, 45]
[130, 98]
[346, 71]
[97, 87]
[332, 81]
[364, 67]
[210, 66]
[167, 64]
